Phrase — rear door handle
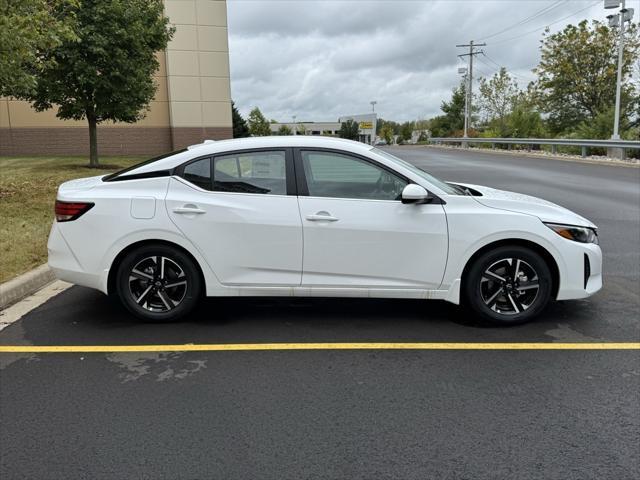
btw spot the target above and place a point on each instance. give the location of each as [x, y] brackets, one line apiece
[322, 217]
[184, 210]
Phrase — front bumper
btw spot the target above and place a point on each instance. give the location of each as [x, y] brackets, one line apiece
[583, 271]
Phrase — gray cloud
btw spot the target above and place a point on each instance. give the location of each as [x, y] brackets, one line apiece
[322, 59]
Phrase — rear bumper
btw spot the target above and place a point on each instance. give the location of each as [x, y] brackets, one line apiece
[66, 266]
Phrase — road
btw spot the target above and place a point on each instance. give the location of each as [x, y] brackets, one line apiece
[344, 414]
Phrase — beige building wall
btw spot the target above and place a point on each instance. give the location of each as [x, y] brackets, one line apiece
[192, 102]
[198, 71]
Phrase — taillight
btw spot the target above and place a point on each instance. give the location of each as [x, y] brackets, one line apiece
[67, 211]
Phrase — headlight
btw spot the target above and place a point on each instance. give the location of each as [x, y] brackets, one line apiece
[577, 234]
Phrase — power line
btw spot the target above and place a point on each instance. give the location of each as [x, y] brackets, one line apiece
[537, 14]
[545, 26]
[508, 70]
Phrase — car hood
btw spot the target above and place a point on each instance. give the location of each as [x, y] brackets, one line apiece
[518, 202]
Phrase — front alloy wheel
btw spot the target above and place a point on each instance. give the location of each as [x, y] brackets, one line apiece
[158, 283]
[508, 285]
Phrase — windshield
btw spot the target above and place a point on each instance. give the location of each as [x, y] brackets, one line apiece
[445, 187]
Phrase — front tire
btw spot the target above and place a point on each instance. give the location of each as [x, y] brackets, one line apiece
[158, 283]
[509, 285]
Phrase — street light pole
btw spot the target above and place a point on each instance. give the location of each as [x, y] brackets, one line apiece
[373, 106]
[616, 120]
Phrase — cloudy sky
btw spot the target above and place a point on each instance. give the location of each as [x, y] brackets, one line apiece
[320, 59]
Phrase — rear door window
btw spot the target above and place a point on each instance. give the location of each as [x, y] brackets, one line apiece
[261, 172]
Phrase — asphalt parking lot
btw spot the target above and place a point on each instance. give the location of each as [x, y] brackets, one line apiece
[445, 414]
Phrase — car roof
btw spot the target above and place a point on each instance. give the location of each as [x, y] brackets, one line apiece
[210, 147]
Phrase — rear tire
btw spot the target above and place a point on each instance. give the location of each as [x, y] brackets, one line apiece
[158, 283]
[509, 285]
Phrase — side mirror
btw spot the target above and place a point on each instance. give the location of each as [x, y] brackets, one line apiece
[413, 193]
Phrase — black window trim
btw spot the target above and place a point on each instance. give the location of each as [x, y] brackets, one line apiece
[123, 174]
[301, 179]
[290, 174]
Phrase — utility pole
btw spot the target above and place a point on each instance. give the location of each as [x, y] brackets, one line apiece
[469, 86]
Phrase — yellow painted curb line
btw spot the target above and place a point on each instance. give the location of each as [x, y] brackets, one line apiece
[190, 347]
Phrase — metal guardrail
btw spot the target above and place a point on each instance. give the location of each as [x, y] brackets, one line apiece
[553, 142]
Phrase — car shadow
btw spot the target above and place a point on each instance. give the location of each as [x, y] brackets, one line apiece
[83, 316]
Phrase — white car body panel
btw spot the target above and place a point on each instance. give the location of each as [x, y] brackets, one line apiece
[374, 243]
[226, 234]
[253, 244]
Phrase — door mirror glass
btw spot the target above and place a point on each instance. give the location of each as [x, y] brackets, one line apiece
[413, 193]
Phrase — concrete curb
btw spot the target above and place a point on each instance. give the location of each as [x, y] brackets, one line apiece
[26, 284]
[611, 163]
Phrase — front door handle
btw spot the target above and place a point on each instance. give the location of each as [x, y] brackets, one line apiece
[322, 217]
[186, 210]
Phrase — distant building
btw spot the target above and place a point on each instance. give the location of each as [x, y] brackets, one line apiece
[192, 103]
[366, 123]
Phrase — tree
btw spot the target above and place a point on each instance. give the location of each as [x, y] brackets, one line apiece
[28, 29]
[349, 130]
[381, 123]
[498, 96]
[285, 130]
[406, 129]
[301, 129]
[524, 122]
[258, 124]
[240, 129]
[452, 122]
[107, 74]
[577, 73]
[386, 133]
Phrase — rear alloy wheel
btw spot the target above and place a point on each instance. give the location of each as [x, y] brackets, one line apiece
[158, 283]
[508, 285]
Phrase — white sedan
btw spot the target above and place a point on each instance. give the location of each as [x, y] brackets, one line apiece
[310, 216]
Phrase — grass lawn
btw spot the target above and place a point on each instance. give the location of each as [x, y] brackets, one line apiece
[28, 188]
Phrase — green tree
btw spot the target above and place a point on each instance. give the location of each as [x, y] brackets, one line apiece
[600, 127]
[240, 129]
[381, 123]
[524, 122]
[406, 129]
[301, 129]
[452, 122]
[386, 133]
[349, 130]
[258, 124]
[107, 74]
[498, 96]
[28, 29]
[577, 73]
[285, 130]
